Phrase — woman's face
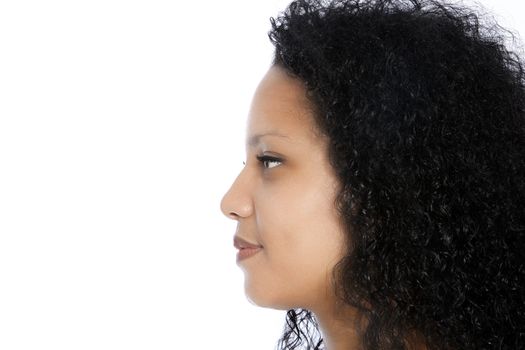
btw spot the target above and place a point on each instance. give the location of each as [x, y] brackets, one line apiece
[284, 201]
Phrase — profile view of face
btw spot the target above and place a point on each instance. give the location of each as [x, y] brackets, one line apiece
[289, 234]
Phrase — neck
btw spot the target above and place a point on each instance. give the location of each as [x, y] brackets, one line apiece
[338, 325]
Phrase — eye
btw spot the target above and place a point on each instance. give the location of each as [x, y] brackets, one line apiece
[269, 162]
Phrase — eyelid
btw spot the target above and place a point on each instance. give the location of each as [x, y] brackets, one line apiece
[264, 158]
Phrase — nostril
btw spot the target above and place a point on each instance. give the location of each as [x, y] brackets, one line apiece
[233, 215]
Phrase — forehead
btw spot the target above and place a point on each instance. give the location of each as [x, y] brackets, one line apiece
[280, 106]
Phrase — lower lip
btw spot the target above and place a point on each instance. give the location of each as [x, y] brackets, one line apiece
[246, 253]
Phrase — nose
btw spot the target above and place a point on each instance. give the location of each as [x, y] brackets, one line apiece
[237, 203]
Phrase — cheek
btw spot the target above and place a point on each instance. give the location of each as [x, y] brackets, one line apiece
[300, 219]
[295, 274]
[303, 241]
[283, 218]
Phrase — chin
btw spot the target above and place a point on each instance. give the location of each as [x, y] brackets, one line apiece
[271, 299]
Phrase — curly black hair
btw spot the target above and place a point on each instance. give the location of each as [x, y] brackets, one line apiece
[424, 109]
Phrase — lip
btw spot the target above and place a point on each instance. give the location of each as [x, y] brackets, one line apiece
[246, 249]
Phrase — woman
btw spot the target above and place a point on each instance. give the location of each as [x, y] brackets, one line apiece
[383, 194]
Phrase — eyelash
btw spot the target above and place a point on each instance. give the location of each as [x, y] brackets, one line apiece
[265, 160]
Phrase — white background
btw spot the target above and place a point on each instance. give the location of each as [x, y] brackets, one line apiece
[121, 126]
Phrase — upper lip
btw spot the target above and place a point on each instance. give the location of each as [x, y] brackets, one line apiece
[241, 243]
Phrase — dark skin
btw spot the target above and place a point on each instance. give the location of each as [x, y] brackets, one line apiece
[285, 206]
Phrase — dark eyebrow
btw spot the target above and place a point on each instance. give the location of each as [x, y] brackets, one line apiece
[254, 140]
